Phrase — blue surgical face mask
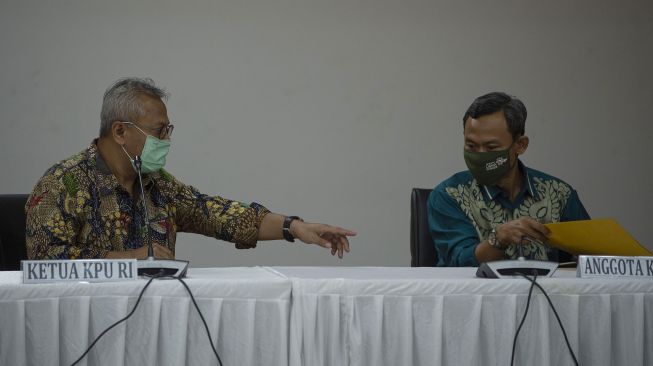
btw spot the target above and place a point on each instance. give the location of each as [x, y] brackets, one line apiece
[153, 157]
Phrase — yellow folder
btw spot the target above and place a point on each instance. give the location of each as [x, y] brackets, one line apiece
[594, 237]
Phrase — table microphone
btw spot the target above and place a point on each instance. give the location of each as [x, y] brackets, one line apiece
[152, 267]
[516, 267]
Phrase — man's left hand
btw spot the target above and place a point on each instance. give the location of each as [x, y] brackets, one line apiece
[332, 237]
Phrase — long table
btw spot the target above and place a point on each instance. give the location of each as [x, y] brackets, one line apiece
[330, 316]
[247, 311]
[438, 316]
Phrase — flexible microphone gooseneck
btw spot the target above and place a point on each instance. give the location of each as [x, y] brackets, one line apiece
[152, 267]
[150, 250]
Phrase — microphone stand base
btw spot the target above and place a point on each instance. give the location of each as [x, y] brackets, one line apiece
[513, 268]
[162, 267]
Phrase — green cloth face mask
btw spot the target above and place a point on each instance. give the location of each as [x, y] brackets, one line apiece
[488, 167]
[153, 157]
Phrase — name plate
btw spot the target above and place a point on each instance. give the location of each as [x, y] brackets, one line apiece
[613, 267]
[79, 270]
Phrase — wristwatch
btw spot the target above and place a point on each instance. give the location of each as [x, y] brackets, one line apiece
[286, 227]
[494, 241]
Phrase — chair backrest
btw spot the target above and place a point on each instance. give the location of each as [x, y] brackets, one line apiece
[422, 250]
[12, 231]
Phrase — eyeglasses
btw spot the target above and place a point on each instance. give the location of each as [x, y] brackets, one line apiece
[162, 132]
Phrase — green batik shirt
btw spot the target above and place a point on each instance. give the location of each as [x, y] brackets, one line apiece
[462, 213]
[79, 210]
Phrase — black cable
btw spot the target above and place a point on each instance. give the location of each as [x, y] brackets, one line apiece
[528, 303]
[571, 351]
[115, 324]
[152, 277]
[202, 317]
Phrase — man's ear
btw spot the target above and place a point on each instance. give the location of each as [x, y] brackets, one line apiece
[521, 144]
[118, 132]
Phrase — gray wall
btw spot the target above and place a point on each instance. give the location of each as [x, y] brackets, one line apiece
[334, 110]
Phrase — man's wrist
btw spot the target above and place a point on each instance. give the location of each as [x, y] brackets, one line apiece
[293, 226]
[289, 227]
[493, 241]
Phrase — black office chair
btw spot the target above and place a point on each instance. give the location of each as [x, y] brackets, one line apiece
[422, 250]
[12, 231]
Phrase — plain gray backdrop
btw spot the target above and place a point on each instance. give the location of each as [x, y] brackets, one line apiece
[334, 109]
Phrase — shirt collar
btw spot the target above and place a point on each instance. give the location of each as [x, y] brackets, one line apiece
[106, 181]
[491, 192]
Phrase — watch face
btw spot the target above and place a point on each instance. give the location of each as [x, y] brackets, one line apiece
[492, 239]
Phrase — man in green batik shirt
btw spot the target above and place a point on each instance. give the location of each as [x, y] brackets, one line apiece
[90, 206]
[498, 204]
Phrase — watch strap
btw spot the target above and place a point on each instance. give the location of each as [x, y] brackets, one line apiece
[286, 227]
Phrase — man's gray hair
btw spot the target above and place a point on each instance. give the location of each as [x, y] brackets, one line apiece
[120, 102]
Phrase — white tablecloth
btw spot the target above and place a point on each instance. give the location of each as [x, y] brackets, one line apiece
[337, 316]
[438, 316]
[247, 310]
